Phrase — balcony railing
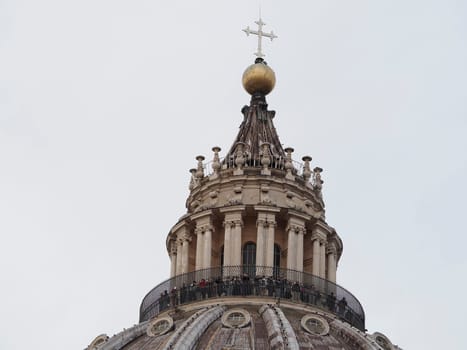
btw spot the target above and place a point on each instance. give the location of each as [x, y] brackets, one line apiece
[253, 281]
[276, 163]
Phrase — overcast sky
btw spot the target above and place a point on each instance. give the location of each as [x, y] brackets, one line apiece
[104, 105]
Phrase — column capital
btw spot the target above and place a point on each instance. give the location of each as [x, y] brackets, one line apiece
[318, 236]
[265, 223]
[233, 215]
[185, 237]
[233, 223]
[203, 228]
[296, 222]
[299, 229]
[331, 249]
[173, 248]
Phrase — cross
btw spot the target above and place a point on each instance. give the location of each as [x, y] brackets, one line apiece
[260, 35]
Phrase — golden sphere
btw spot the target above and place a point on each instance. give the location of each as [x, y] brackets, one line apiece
[259, 78]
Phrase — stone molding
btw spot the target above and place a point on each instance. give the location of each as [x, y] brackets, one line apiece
[152, 330]
[270, 190]
[184, 237]
[265, 222]
[233, 223]
[243, 312]
[298, 229]
[202, 229]
[186, 336]
[322, 320]
[331, 248]
[320, 231]
[281, 333]
[351, 336]
[173, 247]
[266, 209]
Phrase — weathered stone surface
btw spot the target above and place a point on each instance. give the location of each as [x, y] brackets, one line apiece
[199, 326]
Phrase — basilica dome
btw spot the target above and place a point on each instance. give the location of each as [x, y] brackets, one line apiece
[257, 323]
[253, 261]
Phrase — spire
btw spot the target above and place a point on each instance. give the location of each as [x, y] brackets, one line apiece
[257, 135]
[256, 130]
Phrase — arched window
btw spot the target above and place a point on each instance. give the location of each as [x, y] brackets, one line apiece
[277, 260]
[249, 258]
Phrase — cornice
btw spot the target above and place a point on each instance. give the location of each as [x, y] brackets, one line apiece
[232, 209]
[201, 214]
[267, 209]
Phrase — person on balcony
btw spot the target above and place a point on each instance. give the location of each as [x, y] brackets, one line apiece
[295, 291]
[342, 305]
[331, 302]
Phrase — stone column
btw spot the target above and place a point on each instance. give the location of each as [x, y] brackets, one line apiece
[173, 258]
[179, 257]
[322, 260]
[199, 248]
[295, 230]
[236, 241]
[207, 246]
[178, 232]
[319, 237]
[233, 235]
[266, 224]
[270, 237]
[315, 258]
[299, 264]
[291, 250]
[185, 245]
[203, 232]
[261, 245]
[227, 243]
[332, 265]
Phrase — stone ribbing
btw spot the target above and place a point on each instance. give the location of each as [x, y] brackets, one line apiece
[187, 335]
[280, 332]
[120, 340]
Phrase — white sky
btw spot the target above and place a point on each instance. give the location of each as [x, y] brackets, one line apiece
[105, 104]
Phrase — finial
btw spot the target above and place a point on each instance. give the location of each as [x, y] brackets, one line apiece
[288, 163]
[193, 180]
[260, 35]
[200, 168]
[317, 181]
[259, 79]
[306, 169]
[216, 164]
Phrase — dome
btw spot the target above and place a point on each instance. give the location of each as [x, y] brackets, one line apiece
[259, 78]
[253, 261]
[258, 323]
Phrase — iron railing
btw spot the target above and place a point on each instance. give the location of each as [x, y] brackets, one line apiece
[253, 281]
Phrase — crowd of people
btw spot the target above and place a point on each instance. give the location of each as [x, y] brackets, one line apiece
[266, 286]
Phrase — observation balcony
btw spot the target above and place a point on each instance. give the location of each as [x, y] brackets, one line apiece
[253, 282]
